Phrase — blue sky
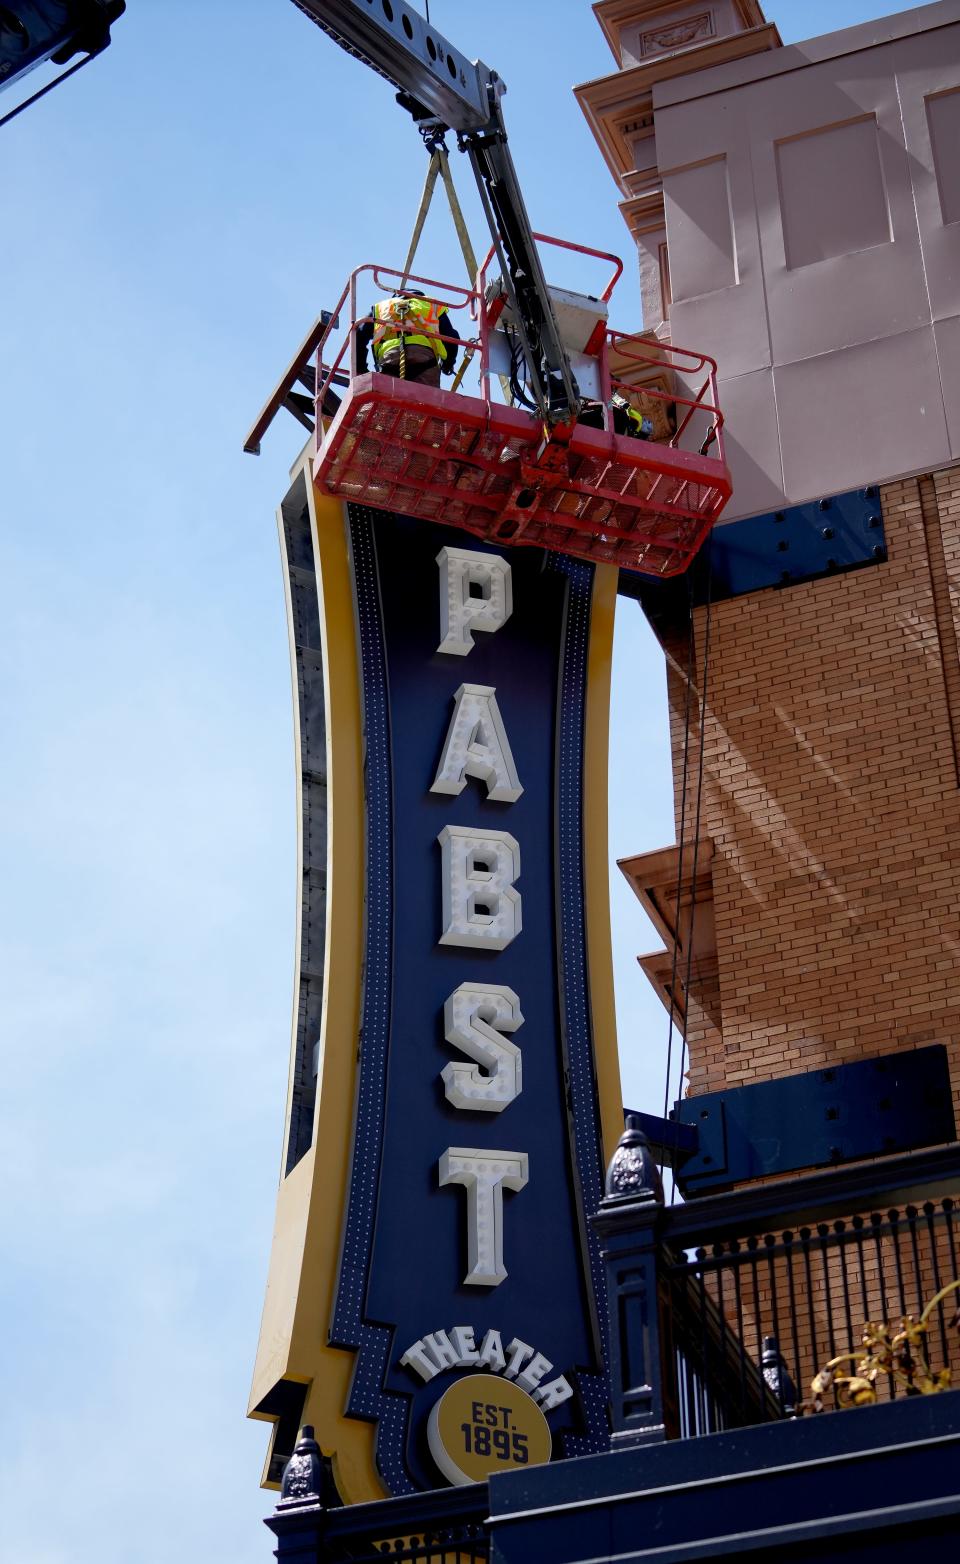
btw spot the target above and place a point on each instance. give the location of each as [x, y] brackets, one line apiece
[175, 218]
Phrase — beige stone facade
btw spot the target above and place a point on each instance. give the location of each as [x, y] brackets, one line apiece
[825, 896]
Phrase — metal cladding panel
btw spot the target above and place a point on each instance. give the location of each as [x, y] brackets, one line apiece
[872, 410]
[305, 644]
[785, 547]
[840, 160]
[730, 316]
[781, 549]
[947, 335]
[751, 434]
[895, 1103]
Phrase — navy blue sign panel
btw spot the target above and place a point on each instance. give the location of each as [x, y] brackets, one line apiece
[406, 1236]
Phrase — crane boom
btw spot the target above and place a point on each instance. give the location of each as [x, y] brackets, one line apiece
[398, 43]
[444, 90]
[35, 31]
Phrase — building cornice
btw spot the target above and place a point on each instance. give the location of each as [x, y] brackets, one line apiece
[614, 15]
[734, 74]
[653, 878]
[643, 214]
[613, 104]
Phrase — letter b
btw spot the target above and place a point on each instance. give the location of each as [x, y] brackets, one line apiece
[480, 906]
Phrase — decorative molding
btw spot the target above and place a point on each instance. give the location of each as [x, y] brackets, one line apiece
[638, 124]
[653, 878]
[678, 35]
[632, 1173]
[612, 103]
[303, 1474]
[616, 15]
[644, 214]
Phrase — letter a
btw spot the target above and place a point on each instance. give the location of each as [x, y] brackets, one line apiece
[477, 746]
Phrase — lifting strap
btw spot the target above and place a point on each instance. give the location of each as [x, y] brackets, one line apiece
[439, 167]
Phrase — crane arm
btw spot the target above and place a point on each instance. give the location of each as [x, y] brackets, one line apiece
[33, 31]
[443, 89]
[399, 44]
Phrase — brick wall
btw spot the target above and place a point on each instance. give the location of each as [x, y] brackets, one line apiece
[831, 796]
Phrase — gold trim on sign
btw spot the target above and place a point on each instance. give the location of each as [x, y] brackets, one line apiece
[312, 1198]
[596, 856]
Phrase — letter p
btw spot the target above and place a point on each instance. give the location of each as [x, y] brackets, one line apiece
[476, 593]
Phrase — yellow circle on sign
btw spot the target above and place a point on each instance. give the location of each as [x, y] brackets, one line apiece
[485, 1424]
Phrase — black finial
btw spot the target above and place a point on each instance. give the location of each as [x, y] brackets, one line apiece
[303, 1473]
[632, 1173]
[773, 1366]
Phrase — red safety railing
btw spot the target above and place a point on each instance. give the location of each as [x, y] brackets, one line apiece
[484, 465]
[447, 295]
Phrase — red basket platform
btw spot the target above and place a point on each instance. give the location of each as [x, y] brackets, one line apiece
[397, 445]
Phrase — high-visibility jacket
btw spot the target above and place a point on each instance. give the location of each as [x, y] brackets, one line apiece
[634, 423]
[412, 322]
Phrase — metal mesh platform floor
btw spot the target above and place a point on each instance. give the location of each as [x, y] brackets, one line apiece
[399, 446]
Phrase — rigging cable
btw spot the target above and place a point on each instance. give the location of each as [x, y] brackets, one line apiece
[517, 377]
[36, 96]
[701, 739]
[683, 826]
[439, 167]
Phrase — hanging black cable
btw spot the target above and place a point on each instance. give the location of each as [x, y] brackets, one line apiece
[35, 98]
[517, 376]
[696, 827]
[683, 826]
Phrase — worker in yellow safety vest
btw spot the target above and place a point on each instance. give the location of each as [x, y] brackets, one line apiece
[627, 419]
[624, 417]
[406, 334]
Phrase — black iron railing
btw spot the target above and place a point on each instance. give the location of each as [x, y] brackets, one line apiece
[710, 1381]
[807, 1292]
[436, 1528]
[752, 1308]
[445, 1527]
[721, 1311]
